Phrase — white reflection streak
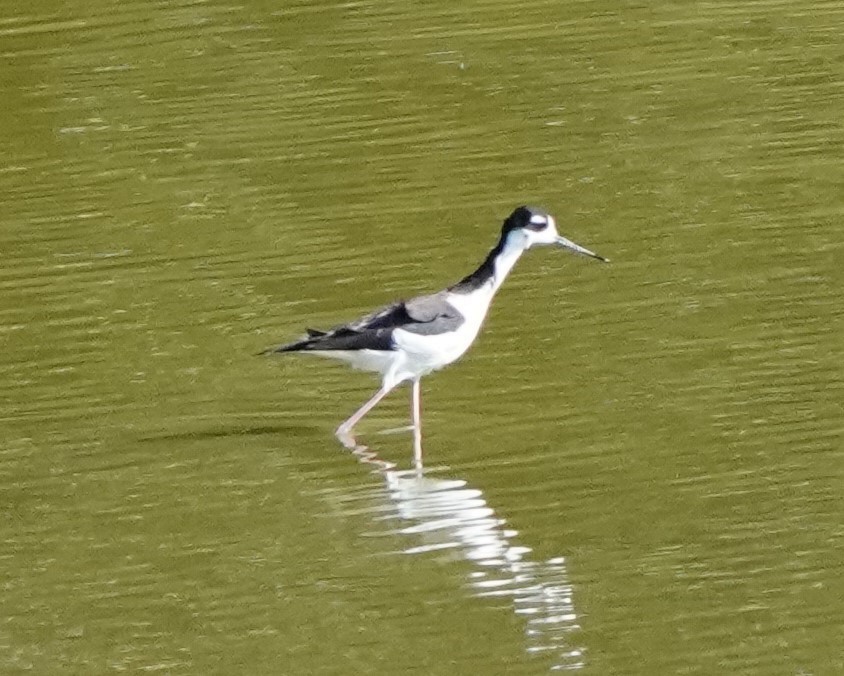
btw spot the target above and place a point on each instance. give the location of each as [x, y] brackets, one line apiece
[444, 514]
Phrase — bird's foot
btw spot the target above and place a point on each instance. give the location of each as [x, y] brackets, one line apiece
[345, 437]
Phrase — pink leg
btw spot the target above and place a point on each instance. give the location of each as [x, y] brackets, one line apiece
[416, 417]
[344, 432]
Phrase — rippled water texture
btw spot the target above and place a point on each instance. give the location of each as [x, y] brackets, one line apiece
[637, 469]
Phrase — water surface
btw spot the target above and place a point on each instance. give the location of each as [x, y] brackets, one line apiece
[637, 469]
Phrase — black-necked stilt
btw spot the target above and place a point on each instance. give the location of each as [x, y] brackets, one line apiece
[411, 338]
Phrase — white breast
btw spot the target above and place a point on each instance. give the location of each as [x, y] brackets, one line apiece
[426, 353]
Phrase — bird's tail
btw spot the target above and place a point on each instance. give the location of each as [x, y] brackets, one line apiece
[297, 345]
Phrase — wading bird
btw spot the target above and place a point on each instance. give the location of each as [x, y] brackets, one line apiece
[411, 338]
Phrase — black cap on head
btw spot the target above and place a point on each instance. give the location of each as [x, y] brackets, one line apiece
[529, 217]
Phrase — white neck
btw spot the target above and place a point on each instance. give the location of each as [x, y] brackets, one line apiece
[514, 247]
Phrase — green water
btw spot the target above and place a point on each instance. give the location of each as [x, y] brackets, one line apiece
[637, 469]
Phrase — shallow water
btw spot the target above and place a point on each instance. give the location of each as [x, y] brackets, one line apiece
[637, 468]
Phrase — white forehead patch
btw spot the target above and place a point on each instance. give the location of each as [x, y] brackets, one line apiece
[539, 219]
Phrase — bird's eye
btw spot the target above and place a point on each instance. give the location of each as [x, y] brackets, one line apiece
[537, 222]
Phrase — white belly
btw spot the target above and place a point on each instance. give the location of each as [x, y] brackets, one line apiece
[427, 353]
[365, 360]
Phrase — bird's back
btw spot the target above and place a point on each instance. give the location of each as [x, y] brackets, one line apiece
[426, 315]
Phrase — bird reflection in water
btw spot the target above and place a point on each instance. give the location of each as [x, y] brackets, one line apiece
[446, 514]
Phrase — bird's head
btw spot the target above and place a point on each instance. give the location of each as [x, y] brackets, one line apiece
[527, 226]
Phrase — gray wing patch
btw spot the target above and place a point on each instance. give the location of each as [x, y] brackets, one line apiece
[423, 315]
[431, 315]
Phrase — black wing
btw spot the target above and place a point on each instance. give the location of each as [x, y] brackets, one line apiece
[426, 315]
